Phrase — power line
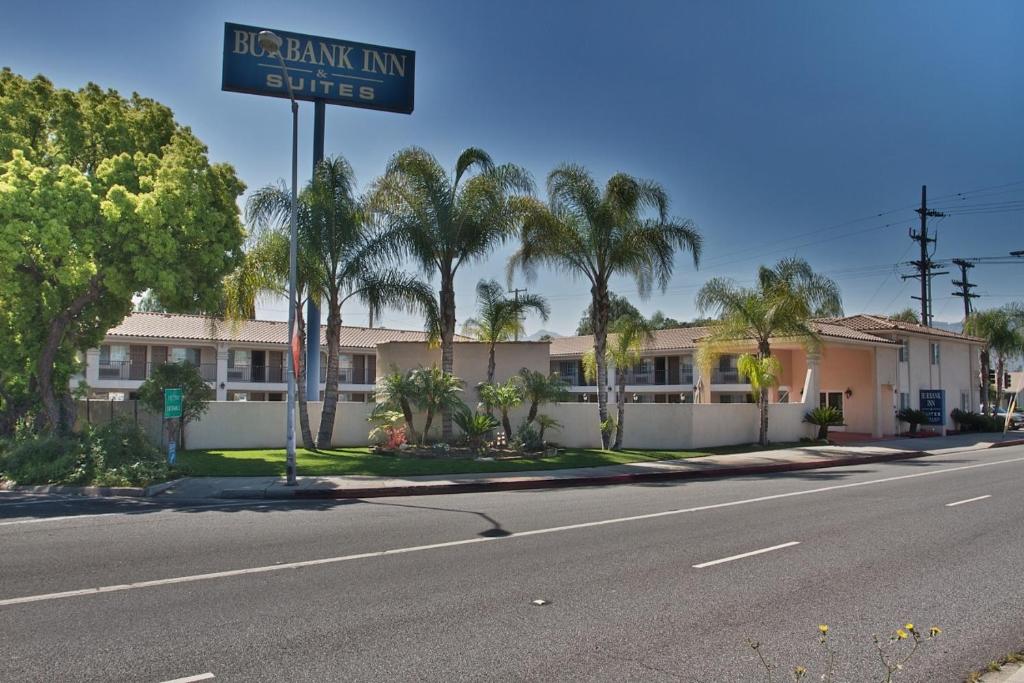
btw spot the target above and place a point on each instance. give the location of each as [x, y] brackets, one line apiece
[965, 285]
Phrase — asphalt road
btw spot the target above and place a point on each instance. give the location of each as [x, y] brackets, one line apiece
[642, 582]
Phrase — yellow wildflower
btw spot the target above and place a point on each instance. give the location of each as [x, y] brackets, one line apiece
[934, 631]
[909, 627]
[823, 628]
[901, 634]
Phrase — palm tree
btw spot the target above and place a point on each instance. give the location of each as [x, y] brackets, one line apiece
[539, 389]
[435, 391]
[781, 304]
[595, 235]
[441, 221]
[344, 252]
[504, 397]
[500, 318]
[907, 315]
[264, 270]
[762, 373]
[398, 390]
[629, 336]
[1003, 332]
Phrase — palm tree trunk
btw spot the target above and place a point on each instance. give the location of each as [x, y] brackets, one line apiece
[330, 408]
[490, 365]
[426, 426]
[599, 318]
[447, 296]
[410, 429]
[986, 364]
[620, 400]
[307, 433]
[506, 424]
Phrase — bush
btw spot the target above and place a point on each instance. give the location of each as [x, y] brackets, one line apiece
[968, 421]
[116, 454]
[824, 417]
[913, 418]
[527, 439]
[43, 460]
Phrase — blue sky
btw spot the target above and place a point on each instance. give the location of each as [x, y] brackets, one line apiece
[768, 123]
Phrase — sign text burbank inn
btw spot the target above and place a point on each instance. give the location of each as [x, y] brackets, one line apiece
[328, 69]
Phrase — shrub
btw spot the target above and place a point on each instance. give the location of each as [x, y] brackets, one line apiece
[391, 430]
[824, 417]
[913, 418]
[475, 426]
[527, 439]
[43, 460]
[124, 443]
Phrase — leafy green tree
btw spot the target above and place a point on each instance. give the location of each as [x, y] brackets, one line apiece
[195, 392]
[435, 391]
[660, 321]
[441, 221]
[1003, 332]
[907, 315]
[101, 197]
[781, 304]
[343, 252]
[539, 389]
[595, 234]
[500, 318]
[618, 306]
[762, 372]
[504, 397]
[628, 337]
[544, 423]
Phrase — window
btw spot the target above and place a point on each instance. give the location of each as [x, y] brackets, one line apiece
[686, 370]
[965, 401]
[239, 362]
[904, 403]
[904, 352]
[783, 395]
[345, 368]
[934, 352]
[113, 353]
[833, 399]
[567, 371]
[725, 398]
[180, 354]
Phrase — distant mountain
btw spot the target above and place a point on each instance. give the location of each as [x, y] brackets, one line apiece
[540, 333]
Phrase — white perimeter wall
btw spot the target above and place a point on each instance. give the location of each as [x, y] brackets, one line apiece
[670, 426]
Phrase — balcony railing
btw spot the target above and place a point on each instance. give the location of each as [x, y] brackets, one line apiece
[349, 376]
[684, 377]
[256, 373]
[731, 376]
[130, 370]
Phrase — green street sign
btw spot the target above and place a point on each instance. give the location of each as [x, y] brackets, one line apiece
[172, 403]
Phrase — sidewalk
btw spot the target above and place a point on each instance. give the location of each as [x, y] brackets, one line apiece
[738, 464]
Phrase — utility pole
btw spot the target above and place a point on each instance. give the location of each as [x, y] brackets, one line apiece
[515, 293]
[964, 285]
[924, 265]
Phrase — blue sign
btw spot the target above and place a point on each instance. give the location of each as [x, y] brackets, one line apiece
[172, 452]
[933, 404]
[328, 69]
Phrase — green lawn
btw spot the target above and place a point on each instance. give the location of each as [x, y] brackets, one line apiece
[344, 461]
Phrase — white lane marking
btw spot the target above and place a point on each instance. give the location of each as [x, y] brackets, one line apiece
[479, 539]
[148, 508]
[742, 555]
[969, 500]
[192, 679]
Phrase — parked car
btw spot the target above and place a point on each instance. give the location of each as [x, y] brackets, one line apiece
[1016, 417]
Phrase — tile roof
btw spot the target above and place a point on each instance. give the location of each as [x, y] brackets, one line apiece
[686, 338]
[204, 328]
[881, 323]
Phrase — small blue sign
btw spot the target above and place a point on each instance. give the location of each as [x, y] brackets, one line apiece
[172, 452]
[933, 404]
[332, 70]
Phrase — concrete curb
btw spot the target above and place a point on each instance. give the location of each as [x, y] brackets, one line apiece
[277, 492]
[97, 491]
[1012, 442]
